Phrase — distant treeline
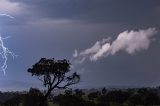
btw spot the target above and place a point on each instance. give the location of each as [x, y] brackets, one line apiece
[78, 97]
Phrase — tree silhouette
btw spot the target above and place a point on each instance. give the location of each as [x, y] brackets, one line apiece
[69, 99]
[79, 93]
[15, 101]
[135, 100]
[33, 98]
[104, 91]
[54, 74]
[93, 95]
[118, 96]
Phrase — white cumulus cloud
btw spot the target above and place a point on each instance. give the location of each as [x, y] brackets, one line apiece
[128, 41]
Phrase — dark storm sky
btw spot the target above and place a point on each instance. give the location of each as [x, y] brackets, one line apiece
[55, 28]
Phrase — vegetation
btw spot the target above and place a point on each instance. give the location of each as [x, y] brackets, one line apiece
[33, 98]
[78, 97]
[126, 97]
[55, 75]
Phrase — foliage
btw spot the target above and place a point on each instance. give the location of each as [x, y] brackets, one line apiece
[15, 101]
[127, 97]
[78, 97]
[93, 95]
[104, 91]
[54, 74]
[33, 98]
[72, 99]
[118, 96]
[79, 92]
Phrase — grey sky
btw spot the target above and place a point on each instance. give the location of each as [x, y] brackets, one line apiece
[55, 28]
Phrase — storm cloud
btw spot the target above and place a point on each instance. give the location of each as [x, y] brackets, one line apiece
[55, 28]
[90, 11]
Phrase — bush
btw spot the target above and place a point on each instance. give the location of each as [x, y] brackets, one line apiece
[34, 98]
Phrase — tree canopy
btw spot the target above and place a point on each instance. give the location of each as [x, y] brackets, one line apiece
[54, 74]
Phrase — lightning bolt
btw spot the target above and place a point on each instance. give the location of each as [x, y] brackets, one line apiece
[6, 15]
[4, 54]
[4, 51]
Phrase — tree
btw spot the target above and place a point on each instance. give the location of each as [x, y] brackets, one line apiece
[79, 93]
[118, 96]
[69, 99]
[14, 101]
[33, 98]
[135, 99]
[149, 97]
[54, 74]
[93, 95]
[104, 91]
[102, 100]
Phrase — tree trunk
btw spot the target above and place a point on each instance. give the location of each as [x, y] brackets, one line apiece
[48, 93]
